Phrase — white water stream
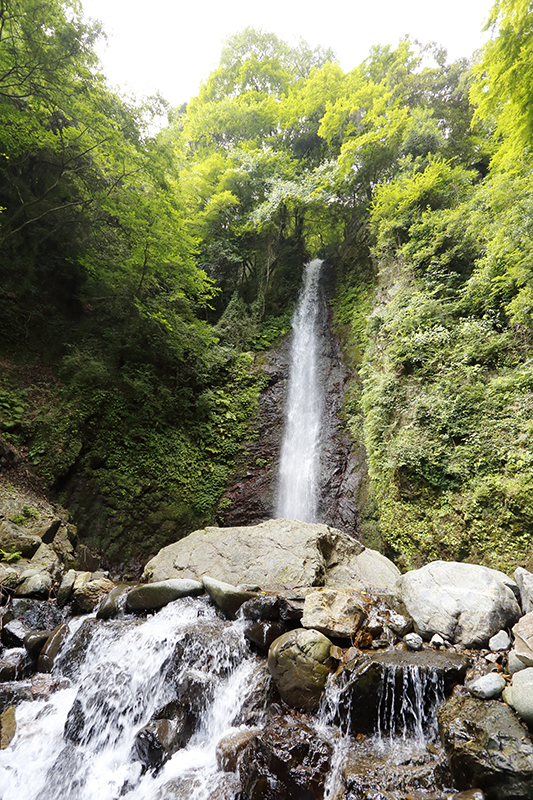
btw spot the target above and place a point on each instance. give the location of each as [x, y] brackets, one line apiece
[78, 744]
[300, 451]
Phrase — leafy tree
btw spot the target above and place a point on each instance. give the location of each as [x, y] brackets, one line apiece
[503, 90]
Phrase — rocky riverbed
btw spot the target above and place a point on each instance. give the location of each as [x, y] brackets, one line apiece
[363, 683]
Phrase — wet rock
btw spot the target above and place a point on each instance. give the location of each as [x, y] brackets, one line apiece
[35, 614]
[253, 710]
[287, 760]
[263, 633]
[360, 683]
[157, 741]
[334, 612]
[112, 604]
[14, 692]
[226, 597]
[156, 595]
[465, 603]
[15, 665]
[437, 640]
[35, 641]
[372, 773]
[8, 727]
[43, 684]
[487, 686]
[231, 746]
[300, 664]
[523, 635]
[14, 633]
[524, 579]
[262, 607]
[471, 794]
[51, 648]
[487, 747]
[519, 695]
[500, 641]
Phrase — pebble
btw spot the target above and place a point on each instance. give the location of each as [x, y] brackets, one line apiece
[500, 641]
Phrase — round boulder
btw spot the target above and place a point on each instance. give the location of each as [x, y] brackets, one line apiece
[300, 664]
[465, 603]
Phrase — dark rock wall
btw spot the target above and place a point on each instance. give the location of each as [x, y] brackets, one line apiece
[343, 464]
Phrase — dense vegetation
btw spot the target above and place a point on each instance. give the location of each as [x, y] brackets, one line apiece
[147, 270]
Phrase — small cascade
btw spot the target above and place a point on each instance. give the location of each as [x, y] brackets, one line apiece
[300, 451]
[394, 756]
[409, 696]
[86, 741]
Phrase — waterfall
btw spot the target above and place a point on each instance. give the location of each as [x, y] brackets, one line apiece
[81, 742]
[300, 450]
[404, 723]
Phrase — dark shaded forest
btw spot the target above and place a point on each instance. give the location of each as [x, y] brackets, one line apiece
[143, 274]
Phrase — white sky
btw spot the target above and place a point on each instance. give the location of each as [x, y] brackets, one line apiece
[172, 45]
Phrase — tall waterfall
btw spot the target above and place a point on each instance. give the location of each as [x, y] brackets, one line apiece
[299, 464]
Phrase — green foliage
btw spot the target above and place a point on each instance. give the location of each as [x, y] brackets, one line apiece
[7, 557]
[27, 515]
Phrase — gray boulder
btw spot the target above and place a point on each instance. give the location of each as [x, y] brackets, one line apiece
[90, 593]
[514, 664]
[523, 635]
[275, 553]
[465, 603]
[519, 695]
[524, 580]
[300, 664]
[487, 686]
[500, 641]
[226, 597]
[13, 539]
[334, 612]
[487, 747]
[156, 595]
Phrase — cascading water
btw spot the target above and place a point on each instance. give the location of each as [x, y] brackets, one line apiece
[395, 754]
[300, 451]
[83, 742]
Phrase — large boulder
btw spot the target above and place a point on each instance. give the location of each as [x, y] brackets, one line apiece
[523, 634]
[300, 664]
[487, 747]
[287, 760]
[156, 595]
[372, 688]
[275, 553]
[464, 603]
[524, 580]
[519, 695]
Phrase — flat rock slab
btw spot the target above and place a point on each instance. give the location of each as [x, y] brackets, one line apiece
[275, 553]
[464, 603]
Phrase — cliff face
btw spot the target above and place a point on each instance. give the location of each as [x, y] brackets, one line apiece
[343, 477]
